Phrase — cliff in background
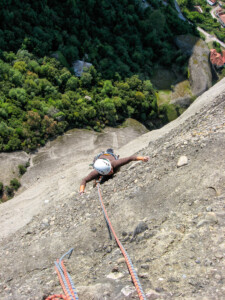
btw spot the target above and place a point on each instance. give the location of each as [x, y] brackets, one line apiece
[168, 214]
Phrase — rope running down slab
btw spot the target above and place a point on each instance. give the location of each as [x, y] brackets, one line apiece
[130, 266]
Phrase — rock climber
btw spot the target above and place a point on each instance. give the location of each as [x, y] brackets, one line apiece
[106, 164]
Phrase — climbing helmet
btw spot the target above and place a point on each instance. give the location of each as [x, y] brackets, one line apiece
[103, 166]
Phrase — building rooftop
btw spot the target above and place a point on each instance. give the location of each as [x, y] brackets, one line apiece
[216, 58]
[222, 17]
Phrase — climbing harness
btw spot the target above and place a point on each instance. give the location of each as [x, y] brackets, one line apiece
[65, 281]
[130, 266]
[104, 153]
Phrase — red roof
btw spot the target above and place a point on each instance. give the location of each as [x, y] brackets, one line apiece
[222, 17]
[213, 1]
[216, 58]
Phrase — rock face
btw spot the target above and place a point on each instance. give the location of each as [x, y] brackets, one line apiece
[170, 220]
[200, 69]
[186, 43]
[200, 75]
[79, 65]
[182, 95]
[9, 165]
[54, 169]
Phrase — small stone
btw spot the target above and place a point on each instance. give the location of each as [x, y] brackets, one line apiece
[109, 249]
[152, 295]
[173, 279]
[219, 255]
[201, 223]
[212, 218]
[128, 291]
[141, 227]
[143, 275]
[183, 160]
[180, 227]
[121, 260]
[45, 222]
[217, 276]
[145, 267]
[209, 208]
[115, 275]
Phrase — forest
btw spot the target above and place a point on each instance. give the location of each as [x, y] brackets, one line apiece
[40, 97]
[116, 36]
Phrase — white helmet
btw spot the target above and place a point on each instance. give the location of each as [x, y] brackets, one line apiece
[103, 166]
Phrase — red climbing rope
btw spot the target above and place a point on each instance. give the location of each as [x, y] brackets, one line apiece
[130, 266]
[57, 297]
[65, 281]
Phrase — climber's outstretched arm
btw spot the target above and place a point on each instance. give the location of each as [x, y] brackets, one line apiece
[123, 161]
[93, 175]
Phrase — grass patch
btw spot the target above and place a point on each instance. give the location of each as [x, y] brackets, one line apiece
[182, 89]
[171, 111]
[163, 96]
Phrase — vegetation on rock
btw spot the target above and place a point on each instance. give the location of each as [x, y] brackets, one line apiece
[7, 192]
[23, 168]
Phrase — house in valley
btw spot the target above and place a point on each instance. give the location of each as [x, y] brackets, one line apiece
[220, 13]
[217, 59]
[211, 2]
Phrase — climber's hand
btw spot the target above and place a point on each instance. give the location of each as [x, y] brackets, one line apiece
[145, 158]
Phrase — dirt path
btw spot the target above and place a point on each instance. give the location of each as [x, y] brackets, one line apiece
[212, 11]
[210, 38]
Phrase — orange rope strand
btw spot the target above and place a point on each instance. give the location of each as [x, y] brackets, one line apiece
[136, 284]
